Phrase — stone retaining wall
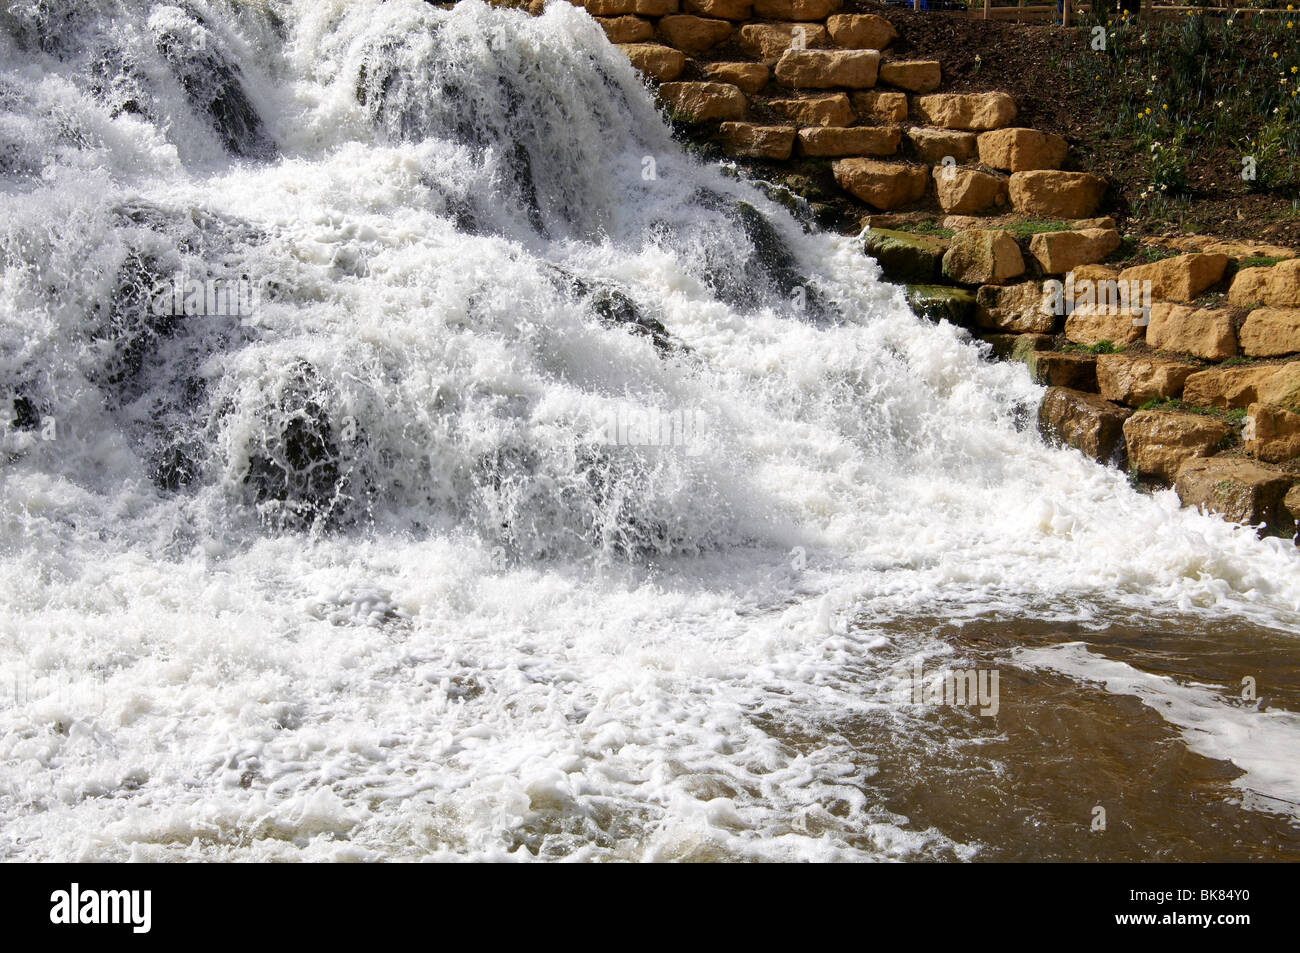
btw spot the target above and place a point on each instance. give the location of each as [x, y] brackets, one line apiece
[1193, 380]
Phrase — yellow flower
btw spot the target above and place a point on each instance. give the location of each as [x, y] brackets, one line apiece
[1165, 106]
[1148, 112]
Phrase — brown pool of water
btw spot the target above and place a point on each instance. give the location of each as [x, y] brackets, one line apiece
[1025, 784]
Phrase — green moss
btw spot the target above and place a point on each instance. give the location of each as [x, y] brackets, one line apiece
[926, 228]
[1150, 253]
[1174, 404]
[942, 303]
[1101, 347]
[1037, 226]
[905, 257]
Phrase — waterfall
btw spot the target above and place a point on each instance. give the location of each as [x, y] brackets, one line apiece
[416, 451]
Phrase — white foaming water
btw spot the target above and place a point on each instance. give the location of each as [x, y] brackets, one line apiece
[361, 575]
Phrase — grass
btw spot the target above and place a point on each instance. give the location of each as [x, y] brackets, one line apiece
[1259, 261]
[1032, 227]
[1150, 253]
[1234, 417]
[926, 228]
[1101, 347]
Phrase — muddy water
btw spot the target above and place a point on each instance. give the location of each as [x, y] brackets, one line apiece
[1026, 783]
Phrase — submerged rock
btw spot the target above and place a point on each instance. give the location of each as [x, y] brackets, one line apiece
[614, 309]
[904, 256]
[773, 263]
[1086, 422]
[942, 303]
[1238, 490]
[296, 472]
[26, 416]
[212, 83]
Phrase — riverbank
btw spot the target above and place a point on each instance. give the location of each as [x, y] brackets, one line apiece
[991, 166]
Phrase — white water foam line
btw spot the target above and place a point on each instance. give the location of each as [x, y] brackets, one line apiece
[1263, 744]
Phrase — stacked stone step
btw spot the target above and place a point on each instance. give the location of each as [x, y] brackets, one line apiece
[826, 67]
[1238, 353]
[815, 83]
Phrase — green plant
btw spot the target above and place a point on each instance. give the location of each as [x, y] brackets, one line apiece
[1198, 85]
[1174, 404]
[1150, 253]
[1159, 403]
[1168, 158]
[1259, 261]
[1035, 226]
[926, 228]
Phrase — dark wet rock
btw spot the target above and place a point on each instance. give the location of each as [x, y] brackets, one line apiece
[54, 28]
[462, 213]
[905, 257]
[1064, 369]
[1017, 347]
[118, 81]
[772, 266]
[1239, 490]
[26, 416]
[176, 467]
[1087, 422]
[297, 463]
[942, 303]
[519, 170]
[212, 84]
[614, 309]
[132, 327]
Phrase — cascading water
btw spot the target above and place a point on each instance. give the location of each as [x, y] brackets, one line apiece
[341, 340]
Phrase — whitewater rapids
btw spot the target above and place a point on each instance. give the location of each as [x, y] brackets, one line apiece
[465, 626]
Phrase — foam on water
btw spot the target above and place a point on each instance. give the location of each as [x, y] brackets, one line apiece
[1264, 744]
[356, 576]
